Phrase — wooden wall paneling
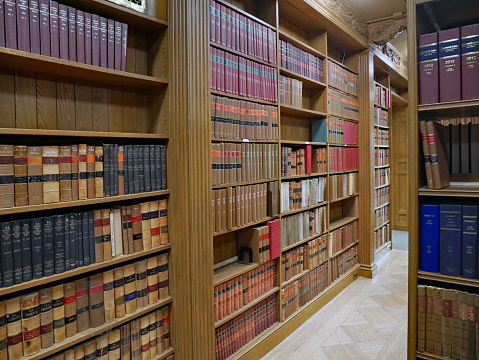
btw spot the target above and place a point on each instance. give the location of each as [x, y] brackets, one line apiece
[83, 105]
[352, 62]
[7, 98]
[129, 110]
[158, 111]
[99, 98]
[141, 53]
[131, 51]
[158, 54]
[25, 100]
[225, 247]
[66, 119]
[319, 100]
[142, 102]
[293, 30]
[286, 128]
[115, 111]
[319, 41]
[266, 11]
[46, 102]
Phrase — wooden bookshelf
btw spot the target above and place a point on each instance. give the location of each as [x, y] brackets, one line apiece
[460, 190]
[302, 241]
[291, 212]
[243, 183]
[231, 271]
[345, 249]
[294, 177]
[238, 53]
[343, 198]
[165, 354]
[245, 141]
[283, 35]
[456, 280]
[81, 134]
[427, 356]
[294, 278]
[336, 224]
[291, 110]
[232, 96]
[307, 82]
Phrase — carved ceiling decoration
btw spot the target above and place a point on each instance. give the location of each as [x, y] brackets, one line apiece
[393, 55]
[382, 32]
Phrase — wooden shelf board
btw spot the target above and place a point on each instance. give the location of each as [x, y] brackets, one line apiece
[342, 172]
[428, 356]
[381, 186]
[248, 15]
[239, 53]
[341, 222]
[343, 250]
[165, 354]
[382, 247]
[398, 98]
[342, 65]
[381, 126]
[302, 242]
[294, 278]
[382, 107]
[245, 141]
[69, 204]
[231, 271]
[456, 109]
[244, 183]
[458, 280]
[246, 348]
[381, 166]
[382, 146]
[293, 110]
[299, 44]
[307, 82]
[247, 225]
[90, 333]
[246, 307]
[72, 133]
[380, 226]
[452, 190]
[47, 65]
[79, 271]
[343, 198]
[304, 209]
[245, 98]
[300, 142]
[381, 206]
[294, 177]
[342, 91]
[343, 145]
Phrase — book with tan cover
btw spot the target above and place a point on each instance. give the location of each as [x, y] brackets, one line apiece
[70, 354]
[114, 350]
[75, 172]
[163, 275]
[118, 231]
[97, 309]
[102, 346]
[64, 160]
[446, 321]
[145, 225]
[145, 336]
[121, 171]
[7, 171]
[58, 313]
[125, 341]
[456, 322]
[3, 331]
[137, 229]
[159, 331]
[51, 174]
[82, 172]
[90, 171]
[105, 222]
[79, 352]
[437, 155]
[163, 209]
[152, 277]
[46, 318]
[83, 312]
[129, 281]
[99, 190]
[438, 339]
[21, 175]
[70, 304]
[131, 245]
[152, 335]
[141, 284]
[90, 349]
[14, 328]
[31, 324]
[166, 325]
[135, 339]
[155, 223]
[35, 175]
[427, 157]
[118, 283]
[108, 296]
[98, 231]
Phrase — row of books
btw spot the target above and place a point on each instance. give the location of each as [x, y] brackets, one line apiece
[231, 336]
[238, 32]
[381, 196]
[293, 263]
[302, 161]
[64, 310]
[342, 132]
[381, 157]
[242, 290]
[435, 155]
[236, 75]
[317, 251]
[448, 65]
[382, 176]
[48, 28]
[343, 159]
[301, 62]
[298, 227]
[446, 322]
[382, 215]
[343, 185]
[344, 262]
[474, 120]
[382, 96]
[381, 137]
[39, 247]
[300, 194]
[381, 117]
[239, 119]
[303, 290]
[342, 79]
[381, 236]
[145, 338]
[290, 91]
[234, 162]
[258, 240]
[341, 238]
[342, 105]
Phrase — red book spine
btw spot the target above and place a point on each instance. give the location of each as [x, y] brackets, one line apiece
[212, 69]
[72, 33]
[470, 61]
[2, 24]
[217, 23]
[63, 29]
[118, 44]
[221, 56]
[222, 16]
[449, 65]
[428, 69]
[54, 30]
[34, 26]
[45, 27]
[95, 40]
[212, 21]
[308, 159]
[111, 44]
[88, 38]
[124, 44]
[80, 36]
[103, 43]
[23, 24]
[227, 16]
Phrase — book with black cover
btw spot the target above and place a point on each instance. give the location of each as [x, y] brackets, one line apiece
[469, 241]
[146, 167]
[115, 174]
[79, 234]
[26, 251]
[86, 239]
[136, 169]
[66, 233]
[7, 253]
[48, 247]
[164, 185]
[17, 251]
[37, 247]
[59, 238]
[131, 181]
[450, 239]
[106, 169]
[158, 167]
[152, 168]
[141, 172]
[73, 242]
[91, 236]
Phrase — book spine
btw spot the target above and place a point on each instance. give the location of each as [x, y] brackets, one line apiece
[14, 328]
[37, 248]
[31, 324]
[9, 13]
[51, 174]
[72, 33]
[152, 335]
[141, 173]
[99, 173]
[59, 241]
[88, 39]
[79, 240]
[146, 167]
[73, 240]
[102, 346]
[86, 239]
[135, 340]
[90, 350]
[469, 241]
[66, 232]
[449, 248]
[427, 158]
[145, 336]
[118, 231]
[159, 331]
[131, 244]
[46, 318]
[428, 72]
[136, 169]
[80, 36]
[124, 230]
[114, 350]
[469, 61]
[105, 221]
[155, 223]
[449, 65]
[111, 44]
[82, 306]
[158, 167]
[163, 209]
[23, 22]
[65, 165]
[48, 246]
[109, 296]
[34, 9]
[120, 187]
[69, 303]
[74, 172]
[35, 175]
[131, 181]
[17, 251]
[90, 172]
[103, 42]
[79, 352]
[118, 284]
[145, 225]
[166, 325]
[163, 275]
[97, 312]
[163, 168]
[141, 284]
[58, 313]
[106, 169]
[91, 236]
[98, 235]
[95, 42]
[117, 45]
[6, 247]
[3, 331]
[26, 248]
[124, 45]
[63, 30]
[136, 227]
[152, 274]
[54, 30]
[82, 172]
[130, 288]
[7, 176]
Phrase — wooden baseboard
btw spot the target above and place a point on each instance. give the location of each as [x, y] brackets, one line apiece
[368, 270]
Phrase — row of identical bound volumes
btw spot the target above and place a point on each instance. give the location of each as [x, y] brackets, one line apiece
[344, 262]
[290, 91]
[302, 161]
[382, 215]
[381, 236]
[48, 28]
[302, 193]
[342, 105]
[382, 176]
[381, 196]
[341, 238]
[317, 252]
[301, 62]
[239, 119]
[342, 132]
[342, 79]
[298, 227]
[238, 32]
[381, 137]
[343, 159]
[381, 157]
[293, 263]
[343, 185]
[382, 96]
[73, 307]
[381, 117]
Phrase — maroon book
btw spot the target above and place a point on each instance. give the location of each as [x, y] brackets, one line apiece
[111, 44]
[63, 30]
[72, 33]
[34, 26]
[124, 45]
[449, 65]
[103, 43]
[428, 71]
[95, 40]
[212, 20]
[10, 24]
[45, 27]
[218, 23]
[223, 24]
[80, 36]
[2, 24]
[88, 37]
[228, 27]
[470, 61]
[118, 45]
[23, 25]
[54, 30]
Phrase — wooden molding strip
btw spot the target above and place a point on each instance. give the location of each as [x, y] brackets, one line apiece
[74, 133]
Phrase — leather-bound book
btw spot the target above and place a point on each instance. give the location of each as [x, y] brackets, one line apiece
[114, 170]
[146, 167]
[105, 222]
[103, 43]
[48, 246]
[163, 275]
[166, 326]
[118, 283]
[153, 168]
[91, 236]
[152, 274]
[136, 225]
[46, 318]
[79, 242]
[83, 313]
[72, 33]
[163, 208]
[3, 332]
[37, 247]
[31, 324]
[85, 239]
[111, 43]
[98, 235]
[152, 335]
[26, 250]
[65, 173]
[99, 171]
[74, 172]
[159, 331]
[450, 65]
[124, 230]
[129, 169]
[79, 352]
[124, 45]
[135, 339]
[118, 45]
[145, 337]
[90, 349]
[7, 188]
[470, 62]
[109, 296]
[437, 154]
[141, 170]
[164, 176]
[34, 12]
[80, 40]
[95, 40]
[121, 171]
[59, 243]
[51, 174]
[114, 339]
[97, 311]
[17, 251]
[135, 166]
[54, 30]
[70, 354]
[35, 175]
[155, 223]
[131, 245]
[68, 254]
[102, 346]
[427, 157]
[58, 313]
[90, 171]
[23, 22]
[130, 288]
[63, 31]
[428, 71]
[10, 13]
[21, 175]
[106, 169]
[145, 225]
[70, 304]
[88, 38]
[82, 172]
[125, 341]
[117, 225]
[14, 328]
[141, 284]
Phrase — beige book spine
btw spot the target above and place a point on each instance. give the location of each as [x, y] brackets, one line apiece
[79, 352]
[97, 311]
[129, 225]
[70, 304]
[83, 313]
[145, 225]
[7, 171]
[159, 331]
[114, 349]
[124, 230]
[98, 235]
[21, 175]
[75, 172]
[70, 354]
[152, 335]
[152, 274]
[51, 174]
[145, 337]
[141, 284]
[109, 296]
[118, 276]
[135, 339]
[130, 288]
[112, 234]
[31, 324]
[82, 172]
[163, 208]
[99, 171]
[35, 175]
[163, 275]
[118, 231]
[46, 318]
[58, 314]
[3, 331]
[14, 328]
[64, 160]
[125, 342]
[155, 223]
[102, 347]
[105, 221]
[90, 171]
[61, 356]
[90, 349]
[166, 324]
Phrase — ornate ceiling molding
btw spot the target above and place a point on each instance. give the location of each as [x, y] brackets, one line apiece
[394, 56]
[382, 32]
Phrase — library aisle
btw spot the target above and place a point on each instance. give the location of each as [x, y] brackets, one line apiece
[368, 320]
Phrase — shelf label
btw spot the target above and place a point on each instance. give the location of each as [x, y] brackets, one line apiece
[245, 140]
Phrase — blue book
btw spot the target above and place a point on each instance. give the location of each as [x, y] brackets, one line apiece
[17, 251]
[79, 242]
[59, 239]
[429, 260]
[91, 236]
[26, 251]
[450, 239]
[7, 253]
[86, 239]
[319, 131]
[48, 246]
[67, 242]
[469, 241]
[37, 247]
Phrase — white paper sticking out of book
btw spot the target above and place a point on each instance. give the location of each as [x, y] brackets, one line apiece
[137, 5]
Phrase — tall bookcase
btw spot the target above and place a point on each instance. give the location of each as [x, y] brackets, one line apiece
[48, 101]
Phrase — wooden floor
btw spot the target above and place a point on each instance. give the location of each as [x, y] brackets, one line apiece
[368, 320]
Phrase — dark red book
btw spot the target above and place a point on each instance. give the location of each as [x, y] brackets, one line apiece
[450, 65]
[470, 61]
[72, 33]
[118, 45]
[228, 27]
[2, 24]
[80, 36]
[95, 40]
[10, 13]
[34, 26]
[307, 155]
[63, 30]
[54, 30]
[428, 71]
[212, 20]
[223, 24]
[103, 43]
[111, 44]
[88, 37]
[124, 45]
[274, 238]
[217, 23]
[45, 27]
[23, 25]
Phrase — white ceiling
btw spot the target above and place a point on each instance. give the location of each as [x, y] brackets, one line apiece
[374, 9]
